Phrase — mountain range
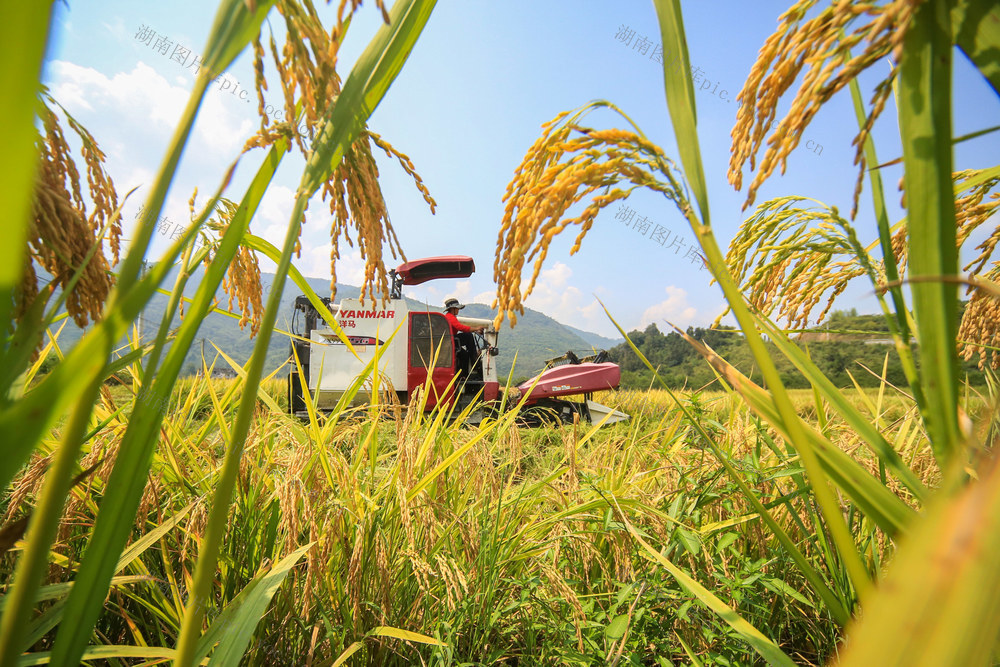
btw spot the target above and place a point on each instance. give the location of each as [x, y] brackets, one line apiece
[536, 338]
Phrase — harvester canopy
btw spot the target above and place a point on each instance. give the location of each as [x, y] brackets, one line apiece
[431, 268]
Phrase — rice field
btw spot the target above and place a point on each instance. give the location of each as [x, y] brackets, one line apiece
[152, 518]
[495, 545]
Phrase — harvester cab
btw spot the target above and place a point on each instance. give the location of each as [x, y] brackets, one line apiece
[417, 351]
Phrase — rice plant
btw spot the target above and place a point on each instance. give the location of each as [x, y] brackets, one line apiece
[788, 257]
[149, 518]
[417, 539]
[73, 390]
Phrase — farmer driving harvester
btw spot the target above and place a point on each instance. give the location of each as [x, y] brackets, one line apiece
[338, 346]
[466, 349]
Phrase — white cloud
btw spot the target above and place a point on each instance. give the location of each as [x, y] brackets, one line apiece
[461, 291]
[271, 219]
[556, 297]
[484, 297]
[676, 310]
[142, 101]
[142, 93]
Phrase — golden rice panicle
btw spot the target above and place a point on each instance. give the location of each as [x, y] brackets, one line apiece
[61, 233]
[242, 279]
[821, 48]
[100, 189]
[567, 165]
[788, 256]
[356, 200]
[407, 165]
[307, 73]
[979, 332]
[971, 212]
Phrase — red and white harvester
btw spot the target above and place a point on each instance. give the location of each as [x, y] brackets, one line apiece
[416, 349]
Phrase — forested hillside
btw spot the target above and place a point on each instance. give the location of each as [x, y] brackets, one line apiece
[837, 350]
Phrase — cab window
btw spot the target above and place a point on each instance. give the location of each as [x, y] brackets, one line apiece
[430, 334]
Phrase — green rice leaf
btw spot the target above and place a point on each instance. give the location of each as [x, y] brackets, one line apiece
[680, 99]
[103, 653]
[867, 431]
[834, 605]
[234, 27]
[924, 103]
[976, 26]
[128, 478]
[764, 646]
[364, 88]
[406, 635]
[883, 506]
[23, 32]
[234, 627]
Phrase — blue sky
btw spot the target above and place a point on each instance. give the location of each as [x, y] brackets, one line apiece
[481, 80]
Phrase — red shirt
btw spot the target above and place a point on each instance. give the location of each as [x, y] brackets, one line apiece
[455, 324]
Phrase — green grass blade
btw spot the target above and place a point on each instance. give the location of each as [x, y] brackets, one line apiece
[234, 627]
[764, 646]
[899, 321]
[43, 526]
[868, 432]
[881, 505]
[29, 332]
[924, 103]
[52, 616]
[833, 604]
[84, 368]
[269, 250]
[348, 652]
[364, 88]
[680, 99]
[405, 635]
[150, 538]
[107, 653]
[24, 33]
[386, 631]
[976, 26]
[56, 591]
[234, 27]
[128, 478]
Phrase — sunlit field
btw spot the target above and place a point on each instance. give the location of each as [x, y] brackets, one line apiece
[153, 516]
[505, 544]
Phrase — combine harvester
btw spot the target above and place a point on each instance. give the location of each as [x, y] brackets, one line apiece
[417, 349]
